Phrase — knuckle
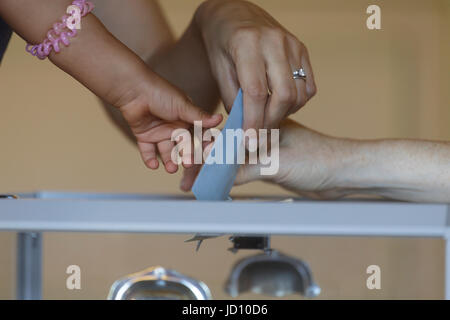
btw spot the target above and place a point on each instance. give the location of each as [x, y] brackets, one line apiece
[301, 45]
[312, 90]
[255, 124]
[276, 37]
[301, 100]
[185, 107]
[256, 92]
[294, 41]
[245, 34]
[294, 110]
[286, 96]
[297, 45]
[253, 121]
[276, 34]
[242, 35]
[182, 104]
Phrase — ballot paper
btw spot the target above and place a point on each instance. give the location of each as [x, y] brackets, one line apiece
[214, 182]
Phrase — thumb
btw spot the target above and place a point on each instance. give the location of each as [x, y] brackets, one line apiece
[169, 103]
[186, 111]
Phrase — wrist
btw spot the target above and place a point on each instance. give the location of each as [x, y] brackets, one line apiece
[131, 83]
[338, 161]
[103, 64]
[317, 162]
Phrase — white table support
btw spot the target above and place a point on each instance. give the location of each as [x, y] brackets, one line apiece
[33, 214]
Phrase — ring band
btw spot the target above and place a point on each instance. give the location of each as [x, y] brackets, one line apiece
[299, 74]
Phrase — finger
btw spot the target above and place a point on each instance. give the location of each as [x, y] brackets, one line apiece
[187, 158]
[148, 154]
[227, 80]
[183, 148]
[170, 104]
[251, 71]
[160, 131]
[167, 132]
[189, 176]
[295, 51]
[189, 113]
[311, 88]
[281, 82]
[165, 152]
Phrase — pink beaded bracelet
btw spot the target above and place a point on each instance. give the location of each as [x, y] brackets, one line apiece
[62, 31]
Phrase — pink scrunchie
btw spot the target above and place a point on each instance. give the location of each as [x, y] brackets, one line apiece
[58, 33]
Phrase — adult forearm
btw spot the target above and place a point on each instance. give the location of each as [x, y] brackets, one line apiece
[186, 65]
[398, 169]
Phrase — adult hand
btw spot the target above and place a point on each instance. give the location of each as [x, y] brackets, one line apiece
[308, 162]
[248, 48]
[323, 167]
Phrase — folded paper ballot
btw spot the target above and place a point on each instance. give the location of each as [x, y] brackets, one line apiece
[215, 180]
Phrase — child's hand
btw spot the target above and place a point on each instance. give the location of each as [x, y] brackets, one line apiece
[158, 110]
[152, 107]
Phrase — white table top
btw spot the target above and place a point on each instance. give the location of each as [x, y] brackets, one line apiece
[127, 213]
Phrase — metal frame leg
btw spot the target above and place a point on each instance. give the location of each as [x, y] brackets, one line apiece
[447, 267]
[29, 266]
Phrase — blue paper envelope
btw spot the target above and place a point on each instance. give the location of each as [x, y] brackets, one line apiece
[214, 182]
